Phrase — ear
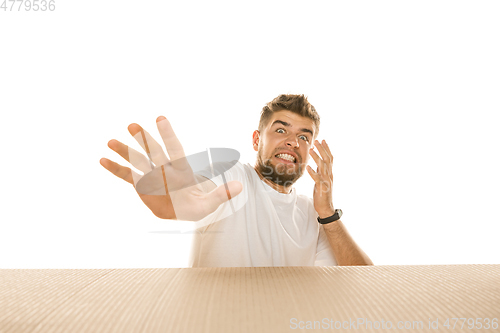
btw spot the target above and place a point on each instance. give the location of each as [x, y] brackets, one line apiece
[256, 140]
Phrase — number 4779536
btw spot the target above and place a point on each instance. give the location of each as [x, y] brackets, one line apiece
[28, 5]
[478, 323]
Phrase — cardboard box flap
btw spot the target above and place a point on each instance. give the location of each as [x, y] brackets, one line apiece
[250, 299]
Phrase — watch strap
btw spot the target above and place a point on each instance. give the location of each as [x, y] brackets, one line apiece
[333, 218]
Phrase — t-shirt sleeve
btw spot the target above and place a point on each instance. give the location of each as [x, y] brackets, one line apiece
[324, 251]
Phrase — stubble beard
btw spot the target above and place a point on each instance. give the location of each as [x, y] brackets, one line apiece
[280, 174]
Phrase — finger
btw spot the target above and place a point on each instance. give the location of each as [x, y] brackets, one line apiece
[221, 195]
[153, 149]
[318, 160]
[327, 158]
[118, 170]
[324, 154]
[315, 176]
[327, 148]
[135, 158]
[172, 143]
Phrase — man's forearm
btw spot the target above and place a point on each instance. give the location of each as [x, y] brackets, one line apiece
[345, 249]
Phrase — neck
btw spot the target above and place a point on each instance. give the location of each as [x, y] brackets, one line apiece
[276, 187]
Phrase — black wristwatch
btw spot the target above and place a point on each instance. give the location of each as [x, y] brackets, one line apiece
[333, 218]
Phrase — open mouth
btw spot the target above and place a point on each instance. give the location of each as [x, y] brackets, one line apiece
[286, 158]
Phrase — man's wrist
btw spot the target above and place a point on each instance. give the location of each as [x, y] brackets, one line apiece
[326, 213]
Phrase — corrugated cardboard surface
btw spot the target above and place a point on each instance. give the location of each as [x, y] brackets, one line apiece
[259, 299]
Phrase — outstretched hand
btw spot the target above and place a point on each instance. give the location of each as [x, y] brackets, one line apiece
[168, 186]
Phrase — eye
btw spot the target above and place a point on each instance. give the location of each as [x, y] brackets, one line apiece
[303, 137]
[280, 129]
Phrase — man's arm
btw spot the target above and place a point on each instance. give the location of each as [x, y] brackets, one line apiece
[345, 249]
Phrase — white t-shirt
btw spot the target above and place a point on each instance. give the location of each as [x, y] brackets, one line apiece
[259, 227]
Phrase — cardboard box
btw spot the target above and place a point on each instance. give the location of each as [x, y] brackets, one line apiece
[252, 299]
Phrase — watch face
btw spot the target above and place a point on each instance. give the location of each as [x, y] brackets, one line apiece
[340, 213]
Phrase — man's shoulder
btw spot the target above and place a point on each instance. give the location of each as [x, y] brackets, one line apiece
[304, 198]
[222, 167]
[231, 170]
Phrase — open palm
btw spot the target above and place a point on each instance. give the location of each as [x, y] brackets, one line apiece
[168, 187]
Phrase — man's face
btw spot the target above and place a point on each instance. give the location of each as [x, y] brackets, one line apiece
[283, 147]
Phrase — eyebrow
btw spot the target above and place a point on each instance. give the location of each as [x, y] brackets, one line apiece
[284, 123]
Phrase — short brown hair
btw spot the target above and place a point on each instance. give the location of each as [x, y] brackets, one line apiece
[295, 103]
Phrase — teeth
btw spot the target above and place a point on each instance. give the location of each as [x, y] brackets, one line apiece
[286, 157]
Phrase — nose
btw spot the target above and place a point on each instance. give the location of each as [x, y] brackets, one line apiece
[292, 142]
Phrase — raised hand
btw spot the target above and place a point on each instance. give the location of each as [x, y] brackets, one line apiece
[323, 179]
[168, 187]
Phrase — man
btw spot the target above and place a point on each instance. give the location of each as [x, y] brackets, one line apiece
[255, 218]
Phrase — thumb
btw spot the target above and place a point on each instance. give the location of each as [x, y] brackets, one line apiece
[221, 195]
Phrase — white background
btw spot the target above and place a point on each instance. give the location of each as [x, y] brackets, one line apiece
[408, 94]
